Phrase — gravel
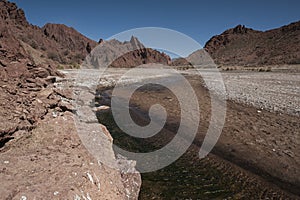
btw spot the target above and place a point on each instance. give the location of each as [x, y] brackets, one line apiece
[273, 91]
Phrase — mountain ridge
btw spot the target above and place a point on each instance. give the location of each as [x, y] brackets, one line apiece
[247, 47]
[60, 45]
[52, 44]
[127, 54]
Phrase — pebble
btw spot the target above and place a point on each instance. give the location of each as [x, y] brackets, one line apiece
[90, 177]
[289, 153]
[270, 95]
[54, 114]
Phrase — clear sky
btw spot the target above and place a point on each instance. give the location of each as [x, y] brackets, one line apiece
[197, 19]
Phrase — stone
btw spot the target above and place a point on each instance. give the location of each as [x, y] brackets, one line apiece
[85, 114]
[50, 79]
[45, 93]
[101, 109]
[106, 132]
[65, 106]
[66, 93]
[41, 72]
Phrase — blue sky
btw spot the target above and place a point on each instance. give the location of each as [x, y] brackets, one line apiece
[197, 19]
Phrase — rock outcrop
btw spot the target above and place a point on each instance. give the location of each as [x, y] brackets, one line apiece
[41, 138]
[42, 152]
[52, 44]
[126, 54]
[139, 57]
[73, 43]
[247, 47]
[25, 97]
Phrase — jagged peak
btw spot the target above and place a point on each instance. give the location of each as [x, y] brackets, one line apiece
[136, 43]
[239, 29]
[10, 11]
[133, 39]
[59, 26]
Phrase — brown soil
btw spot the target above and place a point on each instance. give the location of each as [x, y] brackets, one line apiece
[51, 162]
[256, 147]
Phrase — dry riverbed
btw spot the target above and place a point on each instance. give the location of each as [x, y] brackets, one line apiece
[259, 142]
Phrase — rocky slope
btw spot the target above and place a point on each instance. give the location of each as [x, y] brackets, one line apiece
[128, 54]
[21, 107]
[139, 57]
[39, 142]
[52, 44]
[247, 47]
[58, 44]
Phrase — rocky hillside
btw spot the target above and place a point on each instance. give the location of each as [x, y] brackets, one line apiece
[38, 137]
[75, 46]
[126, 54]
[58, 44]
[247, 47]
[52, 44]
[141, 56]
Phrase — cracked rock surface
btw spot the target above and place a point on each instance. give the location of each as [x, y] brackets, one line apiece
[42, 152]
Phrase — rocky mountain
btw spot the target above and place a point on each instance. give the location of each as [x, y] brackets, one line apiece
[52, 44]
[114, 53]
[75, 46]
[199, 58]
[37, 118]
[58, 44]
[180, 62]
[247, 47]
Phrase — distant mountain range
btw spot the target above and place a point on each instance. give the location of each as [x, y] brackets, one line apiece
[58, 44]
[114, 53]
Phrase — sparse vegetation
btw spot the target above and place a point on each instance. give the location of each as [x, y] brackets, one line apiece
[78, 58]
[75, 66]
[53, 56]
[60, 67]
[43, 48]
[33, 44]
[248, 68]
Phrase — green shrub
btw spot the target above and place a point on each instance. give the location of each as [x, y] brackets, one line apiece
[33, 44]
[75, 66]
[53, 56]
[60, 67]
